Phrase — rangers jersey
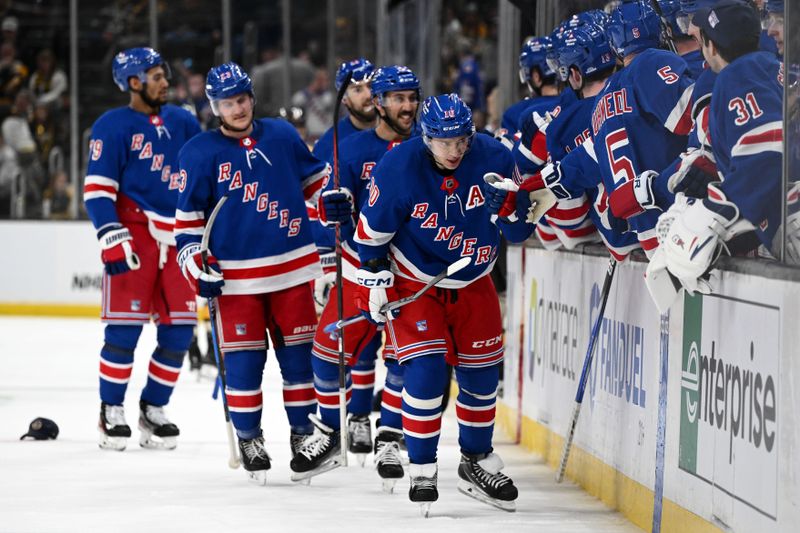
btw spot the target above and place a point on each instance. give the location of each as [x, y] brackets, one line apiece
[261, 236]
[133, 163]
[640, 122]
[746, 129]
[360, 153]
[425, 219]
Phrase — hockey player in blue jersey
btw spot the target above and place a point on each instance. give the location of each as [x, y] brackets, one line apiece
[426, 210]
[645, 104]
[540, 80]
[261, 256]
[774, 23]
[685, 45]
[396, 92]
[746, 130]
[361, 112]
[130, 191]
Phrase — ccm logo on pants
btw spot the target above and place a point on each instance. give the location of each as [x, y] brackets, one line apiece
[487, 343]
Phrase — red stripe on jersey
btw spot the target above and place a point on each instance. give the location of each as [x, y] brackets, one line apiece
[391, 400]
[766, 137]
[539, 146]
[244, 400]
[579, 232]
[164, 226]
[271, 270]
[684, 124]
[183, 224]
[546, 236]
[481, 362]
[422, 426]
[162, 373]
[470, 415]
[362, 235]
[299, 395]
[649, 244]
[618, 256]
[93, 187]
[113, 372]
[312, 188]
[558, 213]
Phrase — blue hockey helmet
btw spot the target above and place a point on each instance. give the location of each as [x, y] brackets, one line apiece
[534, 54]
[687, 9]
[634, 26]
[394, 78]
[587, 49]
[135, 62]
[775, 6]
[671, 10]
[360, 69]
[226, 80]
[597, 17]
[445, 116]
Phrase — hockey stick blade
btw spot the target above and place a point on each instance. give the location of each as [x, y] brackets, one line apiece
[397, 304]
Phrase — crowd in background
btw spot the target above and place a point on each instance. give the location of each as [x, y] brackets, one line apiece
[34, 103]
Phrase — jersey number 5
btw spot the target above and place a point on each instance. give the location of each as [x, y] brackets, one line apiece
[622, 166]
[743, 114]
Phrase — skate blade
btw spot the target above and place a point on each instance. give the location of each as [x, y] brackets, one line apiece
[388, 485]
[258, 477]
[112, 443]
[472, 491]
[361, 458]
[305, 477]
[425, 509]
[152, 442]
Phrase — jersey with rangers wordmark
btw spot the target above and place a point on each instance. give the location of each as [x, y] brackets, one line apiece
[425, 220]
[359, 155]
[261, 236]
[134, 157]
[746, 128]
[640, 122]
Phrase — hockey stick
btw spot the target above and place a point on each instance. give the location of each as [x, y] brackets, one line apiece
[587, 365]
[233, 456]
[397, 304]
[665, 33]
[339, 295]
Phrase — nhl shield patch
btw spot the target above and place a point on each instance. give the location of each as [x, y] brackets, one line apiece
[422, 325]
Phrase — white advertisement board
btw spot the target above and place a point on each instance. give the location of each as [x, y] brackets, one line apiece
[50, 263]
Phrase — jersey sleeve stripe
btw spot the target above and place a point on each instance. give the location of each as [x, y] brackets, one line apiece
[588, 145]
[765, 138]
[94, 195]
[189, 215]
[368, 236]
[94, 179]
[530, 155]
[313, 184]
[679, 120]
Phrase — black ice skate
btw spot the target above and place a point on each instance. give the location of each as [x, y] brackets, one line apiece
[296, 442]
[423, 486]
[481, 479]
[114, 430]
[319, 453]
[359, 437]
[388, 459]
[157, 432]
[255, 459]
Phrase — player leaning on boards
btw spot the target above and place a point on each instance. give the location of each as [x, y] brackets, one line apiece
[130, 191]
[746, 130]
[396, 93]
[261, 254]
[426, 210]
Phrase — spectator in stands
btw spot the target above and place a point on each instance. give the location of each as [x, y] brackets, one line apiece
[268, 80]
[12, 76]
[48, 83]
[58, 197]
[17, 134]
[9, 28]
[191, 95]
[45, 131]
[317, 101]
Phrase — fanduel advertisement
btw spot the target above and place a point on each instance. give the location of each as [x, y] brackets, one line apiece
[730, 400]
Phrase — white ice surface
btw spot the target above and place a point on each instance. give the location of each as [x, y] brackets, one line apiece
[48, 367]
